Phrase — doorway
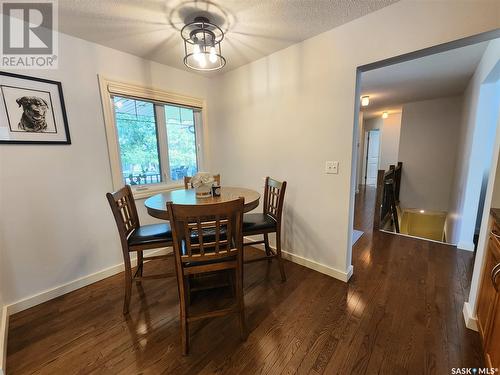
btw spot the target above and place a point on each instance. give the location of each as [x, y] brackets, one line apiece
[372, 152]
[483, 139]
[432, 146]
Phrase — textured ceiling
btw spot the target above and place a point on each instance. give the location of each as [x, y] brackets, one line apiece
[438, 75]
[255, 28]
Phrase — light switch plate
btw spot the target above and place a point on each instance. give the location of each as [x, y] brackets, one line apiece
[332, 167]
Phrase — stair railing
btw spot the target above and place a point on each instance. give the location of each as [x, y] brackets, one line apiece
[387, 198]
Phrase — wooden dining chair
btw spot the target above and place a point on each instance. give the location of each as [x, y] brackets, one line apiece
[207, 238]
[187, 181]
[269, 221]
[137, 238]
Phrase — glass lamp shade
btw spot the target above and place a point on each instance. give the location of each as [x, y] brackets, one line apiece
[202, 45]
[204, 61]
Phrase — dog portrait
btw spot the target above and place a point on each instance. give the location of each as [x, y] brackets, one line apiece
[34, 112]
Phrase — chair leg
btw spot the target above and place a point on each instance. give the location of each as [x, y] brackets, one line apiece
[184, 322]
[185, 336]
[278, 255]
[267, 247]
[188, 291]
[241, 303]
[140, 263]
[128, 283]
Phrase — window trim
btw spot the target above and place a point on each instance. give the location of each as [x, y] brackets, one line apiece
[110, 88]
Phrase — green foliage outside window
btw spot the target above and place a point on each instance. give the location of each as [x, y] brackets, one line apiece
[181, 141]
[138, 140]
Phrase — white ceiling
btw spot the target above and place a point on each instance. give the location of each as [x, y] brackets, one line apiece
[255, 28]
[438, 75]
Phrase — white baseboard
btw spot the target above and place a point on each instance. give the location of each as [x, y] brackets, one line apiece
[60, 290]
[4, 330]
[349, 273]
[470, 319]
[327, 270]
[468, 246]
[49, 294]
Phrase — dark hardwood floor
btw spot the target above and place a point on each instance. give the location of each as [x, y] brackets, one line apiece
[400, 313]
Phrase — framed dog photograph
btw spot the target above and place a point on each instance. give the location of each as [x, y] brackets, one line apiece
[32, 111]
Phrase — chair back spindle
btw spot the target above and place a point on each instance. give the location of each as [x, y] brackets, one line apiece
[207, 232]
[122, 205]
[274, 195]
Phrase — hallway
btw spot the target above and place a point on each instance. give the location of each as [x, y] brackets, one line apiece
[417, 289]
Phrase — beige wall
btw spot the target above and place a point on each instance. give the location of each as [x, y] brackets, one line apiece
[373, 123]
[390, 129]
[428, 150]
[474, 154]
[286, 114]
[389, 142]
[59, 227]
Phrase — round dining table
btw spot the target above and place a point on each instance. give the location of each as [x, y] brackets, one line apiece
[156, 205]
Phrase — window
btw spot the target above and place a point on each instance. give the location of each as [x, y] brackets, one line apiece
[181, 139]
[153, 137]
[138, 141]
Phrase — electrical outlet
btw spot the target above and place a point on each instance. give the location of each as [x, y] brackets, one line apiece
[332, 167]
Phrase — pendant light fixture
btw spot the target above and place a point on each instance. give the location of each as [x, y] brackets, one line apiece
[202, 45]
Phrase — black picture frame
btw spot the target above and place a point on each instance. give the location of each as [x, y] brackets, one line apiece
[60, 104]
